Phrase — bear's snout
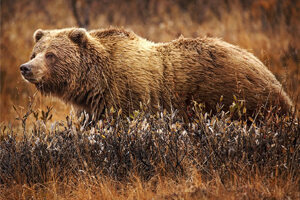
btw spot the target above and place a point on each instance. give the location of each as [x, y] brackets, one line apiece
[28, 72]
[25, 69]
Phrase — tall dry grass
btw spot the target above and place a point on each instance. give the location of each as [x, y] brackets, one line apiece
[151, 156]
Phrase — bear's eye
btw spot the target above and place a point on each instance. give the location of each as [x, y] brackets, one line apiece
[32, 56]
[50, 55]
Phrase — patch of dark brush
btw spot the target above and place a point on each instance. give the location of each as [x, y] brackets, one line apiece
[148, 145]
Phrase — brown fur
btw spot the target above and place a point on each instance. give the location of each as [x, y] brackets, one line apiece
[113, 67]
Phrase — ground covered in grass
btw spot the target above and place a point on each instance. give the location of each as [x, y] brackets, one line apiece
[151, 156]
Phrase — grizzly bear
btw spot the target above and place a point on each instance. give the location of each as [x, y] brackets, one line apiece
[99, 69]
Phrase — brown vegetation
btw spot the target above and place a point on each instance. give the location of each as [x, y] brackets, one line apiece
[229, 160]
[151, 156]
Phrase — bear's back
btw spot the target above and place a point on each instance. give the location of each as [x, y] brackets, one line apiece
[112, 33]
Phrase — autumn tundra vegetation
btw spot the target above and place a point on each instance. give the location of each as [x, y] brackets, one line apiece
[49, 151]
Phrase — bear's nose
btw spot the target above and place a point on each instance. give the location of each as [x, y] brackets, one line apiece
[25, 69]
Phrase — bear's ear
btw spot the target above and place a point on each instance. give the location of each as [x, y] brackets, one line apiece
[38, 34]
[78, 36]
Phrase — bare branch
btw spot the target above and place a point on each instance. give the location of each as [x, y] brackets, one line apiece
[84, 23]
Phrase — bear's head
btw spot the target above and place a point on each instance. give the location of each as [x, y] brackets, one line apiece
[60, 59]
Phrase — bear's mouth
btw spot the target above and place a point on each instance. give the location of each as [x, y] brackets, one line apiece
[29, 77]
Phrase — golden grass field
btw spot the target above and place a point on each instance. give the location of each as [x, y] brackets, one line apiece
[269, 29]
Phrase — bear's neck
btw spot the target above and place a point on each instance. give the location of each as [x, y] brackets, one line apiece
[91, 90]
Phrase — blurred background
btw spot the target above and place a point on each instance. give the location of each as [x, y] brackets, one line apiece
[270, 29]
